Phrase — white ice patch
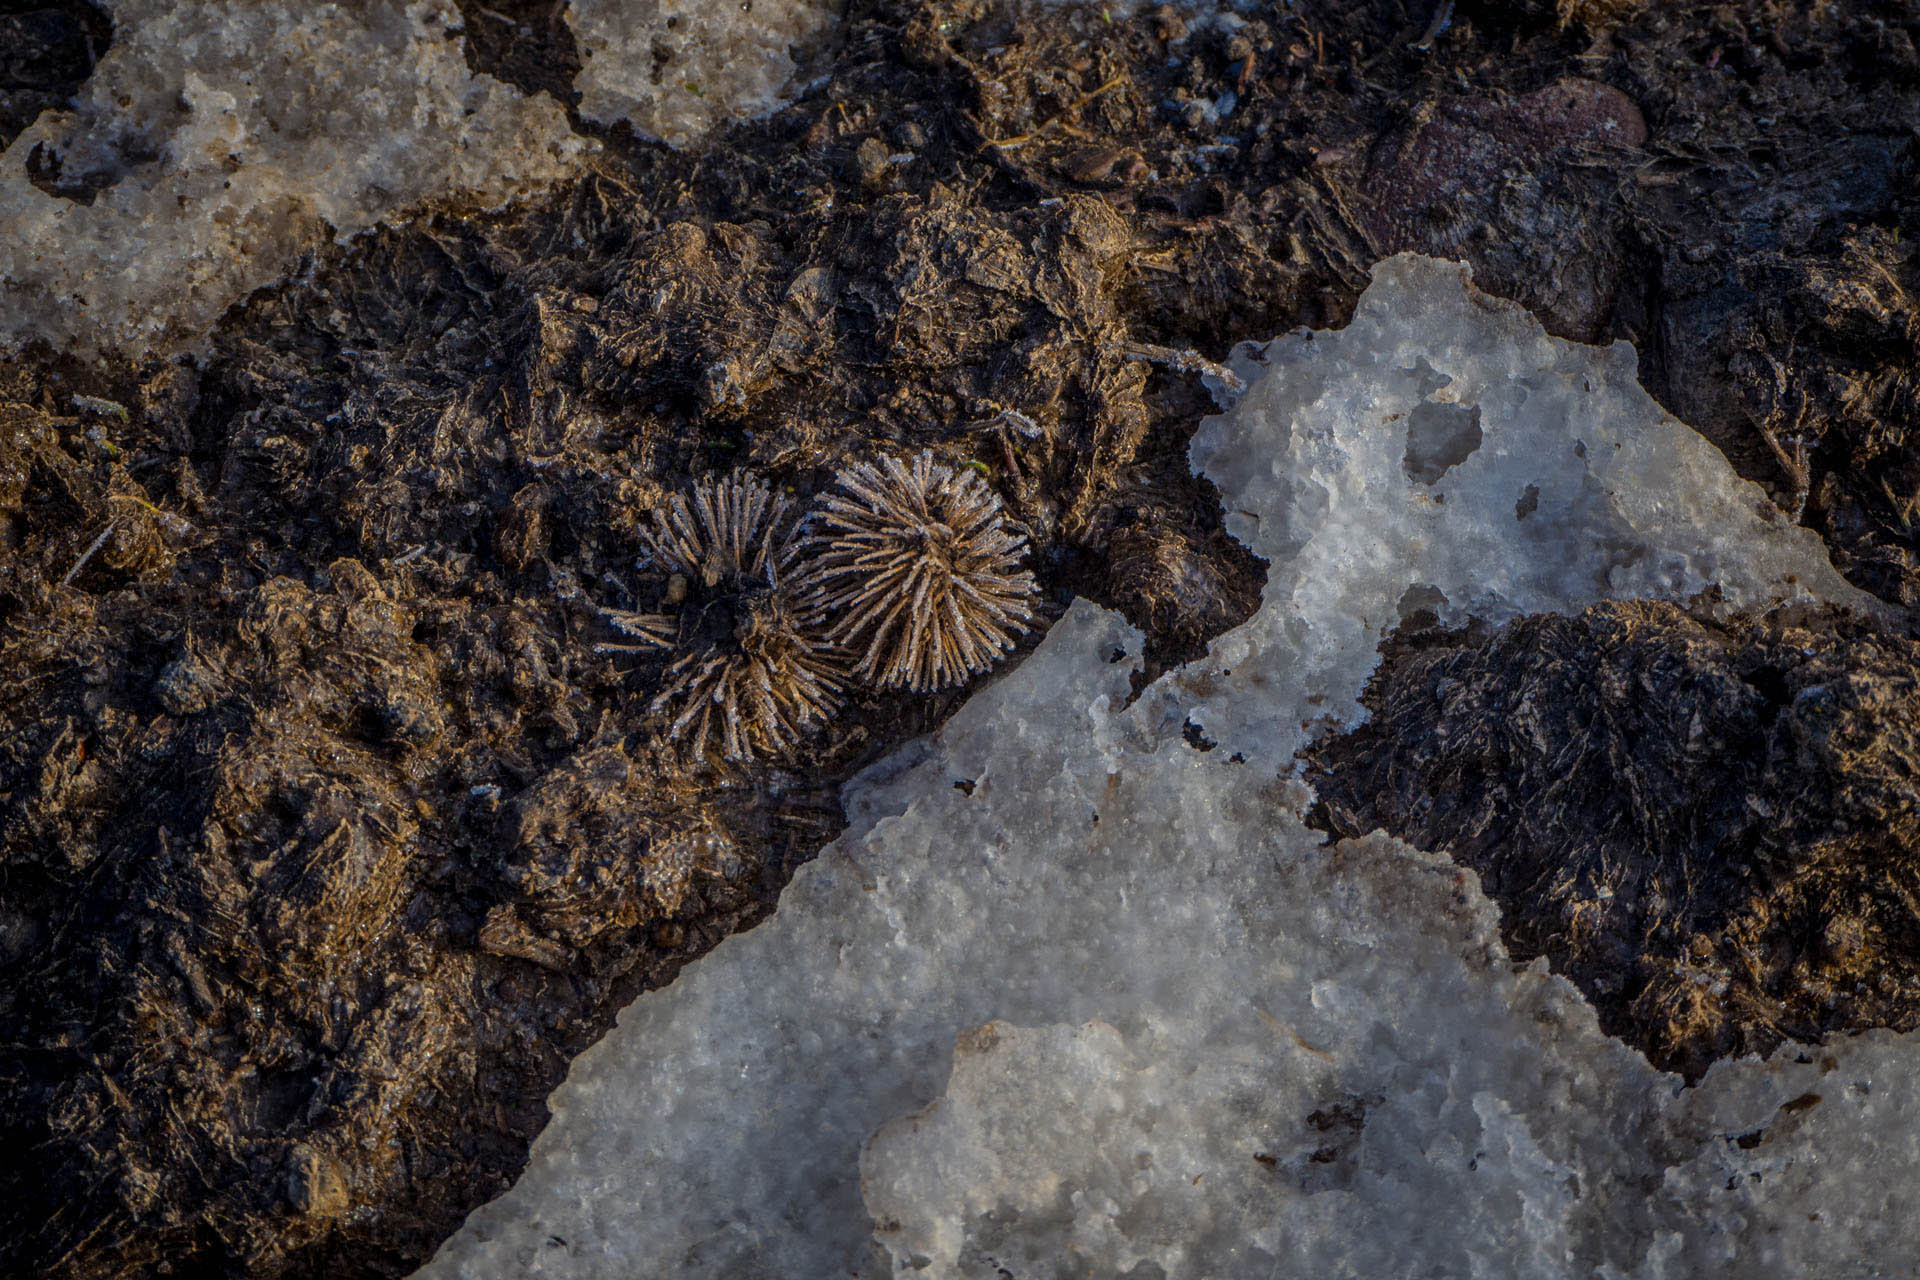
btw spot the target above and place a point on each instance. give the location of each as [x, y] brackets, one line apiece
[1445, 441]
[677, 69]
[232, 138]
[1218, 1047]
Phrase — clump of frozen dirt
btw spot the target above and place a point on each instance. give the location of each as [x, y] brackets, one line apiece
[1707, 826]
[46, 52]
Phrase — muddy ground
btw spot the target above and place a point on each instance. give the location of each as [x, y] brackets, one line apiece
[333, 821]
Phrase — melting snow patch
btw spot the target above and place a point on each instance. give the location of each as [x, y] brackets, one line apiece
[677, 69]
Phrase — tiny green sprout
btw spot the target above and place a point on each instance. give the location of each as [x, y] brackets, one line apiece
[695, 90]
[976, 465]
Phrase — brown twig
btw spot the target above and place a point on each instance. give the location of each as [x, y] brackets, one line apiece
[1076, 105]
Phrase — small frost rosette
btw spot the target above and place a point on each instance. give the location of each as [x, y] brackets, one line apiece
[913, 570]
[754, 672]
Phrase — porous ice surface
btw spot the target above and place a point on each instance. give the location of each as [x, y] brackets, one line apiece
[1444, 452]
[232, 137]
[1071, 996]
[676, 69]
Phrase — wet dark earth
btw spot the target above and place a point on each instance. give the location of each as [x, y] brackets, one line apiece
[337, 811]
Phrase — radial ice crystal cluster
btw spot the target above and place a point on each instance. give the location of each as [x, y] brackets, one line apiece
[1070, 996]
[732, 527]
[914, 570]
[755, 672]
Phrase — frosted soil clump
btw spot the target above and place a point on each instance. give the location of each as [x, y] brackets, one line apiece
[213, 143]
[1219, 1046]
[1708, 827]
[677, 69]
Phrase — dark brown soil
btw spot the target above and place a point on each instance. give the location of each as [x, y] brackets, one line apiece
[330, 831]
[526, 43]
[1712, 829]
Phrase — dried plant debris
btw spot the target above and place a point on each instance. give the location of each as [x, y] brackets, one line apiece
[756, 672]
[703, 848]
[607, 842]
[913, 567]
[1710, 827]
[324, 866]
